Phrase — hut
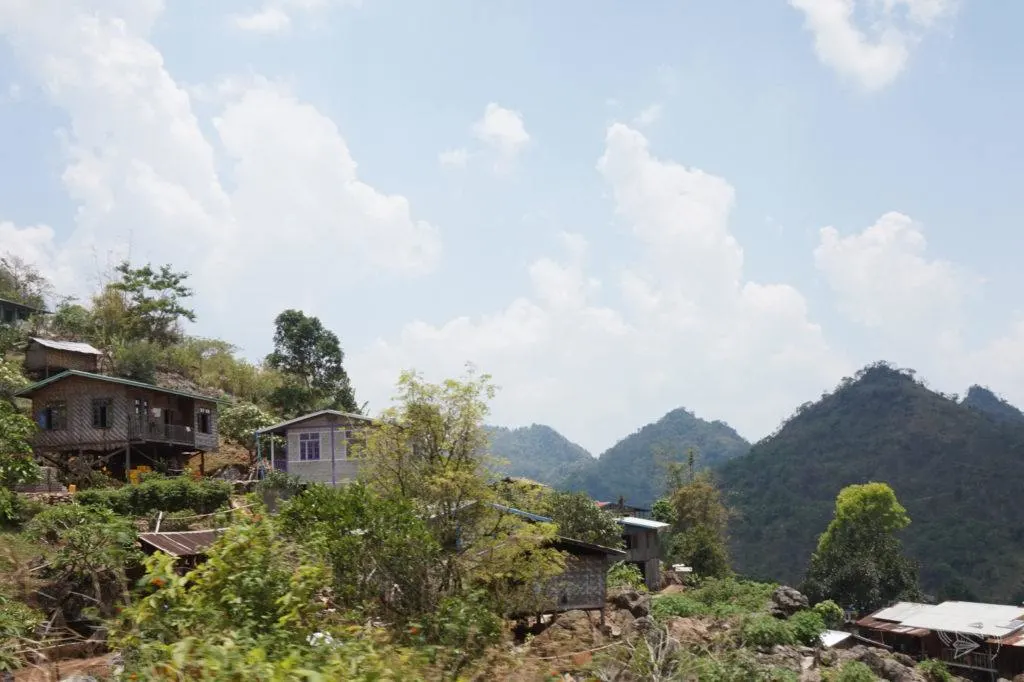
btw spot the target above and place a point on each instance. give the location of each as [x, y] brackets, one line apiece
[12, 312]
[643, 547]
[47, 357]
[317, 446]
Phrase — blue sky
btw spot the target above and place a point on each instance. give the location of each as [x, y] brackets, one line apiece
[615, 208]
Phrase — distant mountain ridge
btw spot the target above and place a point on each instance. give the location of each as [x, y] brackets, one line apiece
[958, 468]
[634, 468]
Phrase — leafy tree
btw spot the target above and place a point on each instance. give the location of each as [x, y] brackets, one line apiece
[16, 463]
[152, 302]
[699, 527]
[73, 321]
[578, 517]
[239, 423]
[310, 357]
[859, 562]
[22, 282]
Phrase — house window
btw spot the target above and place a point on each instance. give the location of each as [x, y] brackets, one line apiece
[309, 446]
[54, 417]
[102, 413]
[141, 407]
[628, 541]
[205, 415]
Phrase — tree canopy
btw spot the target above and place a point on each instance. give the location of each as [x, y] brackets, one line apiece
[700, 521]
[310, 358]
[859, 560]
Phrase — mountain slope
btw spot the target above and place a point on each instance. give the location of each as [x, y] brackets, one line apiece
[537, 451]
[958, 472]
[985, 401]
[634, 468]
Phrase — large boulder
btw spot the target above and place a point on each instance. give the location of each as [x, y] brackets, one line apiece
[569, 632]
[637, 603]
[885, 665]
[786, 601]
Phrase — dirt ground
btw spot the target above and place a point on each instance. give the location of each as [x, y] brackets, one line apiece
[97, 666]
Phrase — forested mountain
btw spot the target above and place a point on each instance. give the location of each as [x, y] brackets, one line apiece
[985, 401]
[537, 451]
[958, 471]
[635, 468]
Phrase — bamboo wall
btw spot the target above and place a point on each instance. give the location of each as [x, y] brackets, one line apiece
[40, 359]
[583, 584]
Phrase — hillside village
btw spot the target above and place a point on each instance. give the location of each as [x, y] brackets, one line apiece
[172, 510]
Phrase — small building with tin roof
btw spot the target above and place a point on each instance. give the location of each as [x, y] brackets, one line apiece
[317, 446]
[47, 357]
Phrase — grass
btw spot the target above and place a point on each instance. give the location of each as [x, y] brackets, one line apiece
[716, 597]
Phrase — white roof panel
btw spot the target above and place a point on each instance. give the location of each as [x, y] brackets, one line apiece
[989, 620]
[642, 523]
[901, 611]
[70, 346]
[830, 638]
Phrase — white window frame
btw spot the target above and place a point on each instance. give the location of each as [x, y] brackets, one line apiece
[309, 446]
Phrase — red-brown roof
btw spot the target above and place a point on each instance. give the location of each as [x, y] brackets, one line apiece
[889, 626]
[181, 543]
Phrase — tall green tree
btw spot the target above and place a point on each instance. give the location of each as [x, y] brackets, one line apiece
[578, 516]
[148, 303]
[22, 282]
[310, 358]
[238, 424]
[700, 521]
[859, 562]
[16, 463]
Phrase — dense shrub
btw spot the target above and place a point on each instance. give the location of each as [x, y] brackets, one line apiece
[806, 627]
[935, 670]
[626, 575]
[719, 597]
[763, 630]
[156, 494]
[463, 627]
[852, 671]
[831, 613]
[17, 621]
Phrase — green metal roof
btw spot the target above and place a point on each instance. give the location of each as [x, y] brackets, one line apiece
[113, 380]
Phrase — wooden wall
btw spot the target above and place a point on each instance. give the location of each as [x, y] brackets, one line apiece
[320, 471]
[39, 358]
[583, 584]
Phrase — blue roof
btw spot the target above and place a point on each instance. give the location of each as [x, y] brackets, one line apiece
[525, 514]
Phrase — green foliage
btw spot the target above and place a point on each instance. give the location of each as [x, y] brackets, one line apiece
[579, 518]
[90, 549]
[136, 360]
[238, 424]
[831, 613]
[698, 536]
[935, 452]
[635, 467]
[310, 357]
[716, 597]
[152, 303]
[156, 493]
[17, 623]
[463, 627]
[281, 482]
[22, 282]
[72, 321]
[16, 463]
[851, 671]
[765, 631]
[664, 511]
[935, 670]
[626, 575]
[859, 560]
[537, 452]
[807, 627]
[739, 665]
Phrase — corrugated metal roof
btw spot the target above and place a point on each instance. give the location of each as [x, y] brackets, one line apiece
[22, 305]
[524, 514]
[901, 610]
[589, 546]
[989, 620]
[70, 346]
[642, 523]
[181, 543]
[114, 380]
[313, 415]
[889, 626]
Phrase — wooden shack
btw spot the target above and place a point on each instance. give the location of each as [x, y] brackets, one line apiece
[12, 312]
[317, 446]
[46, 357]
[643, 547]
[123, 423]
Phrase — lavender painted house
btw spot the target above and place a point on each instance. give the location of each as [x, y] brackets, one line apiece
[316, 446]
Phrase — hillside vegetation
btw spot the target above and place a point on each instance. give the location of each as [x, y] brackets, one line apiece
[537, 452]
[957, 470]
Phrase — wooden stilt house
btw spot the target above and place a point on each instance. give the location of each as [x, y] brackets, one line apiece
[121, 422]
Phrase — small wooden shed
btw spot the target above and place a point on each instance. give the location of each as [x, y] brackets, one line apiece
[47, 357]
[12, 312]
[643, 547]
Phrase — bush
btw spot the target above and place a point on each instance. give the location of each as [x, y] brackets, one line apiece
[718, 597]
[464, 627]
[626, 575]
[852, 671]
[935, 670]
[137, 360]
[763, 630]
[157, 493]
[17, 621]
[807, 627]
[676, 605]
[831, 613]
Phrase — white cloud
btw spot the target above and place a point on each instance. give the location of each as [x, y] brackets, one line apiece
[276, 16]
[876, 55]
[690, 330]
[649, 116]
[144, 177]
[454, 158]
[884, 279]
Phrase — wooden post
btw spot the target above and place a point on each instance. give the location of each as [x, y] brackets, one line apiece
[127, 461]
[272, 465]
[334, 477]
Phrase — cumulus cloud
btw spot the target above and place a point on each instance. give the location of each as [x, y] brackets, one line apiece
[649, 116]
[688, 328]
[144, 176]
[454, 158]
[883, 277]
[276, 16]
[501, 136]
[875, 51]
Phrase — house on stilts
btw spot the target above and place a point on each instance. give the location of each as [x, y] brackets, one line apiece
[120, 422]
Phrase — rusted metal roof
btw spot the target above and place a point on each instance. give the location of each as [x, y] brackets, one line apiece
[182, 543]
[872, 623]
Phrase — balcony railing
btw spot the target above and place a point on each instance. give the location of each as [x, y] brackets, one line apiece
[143, 429]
